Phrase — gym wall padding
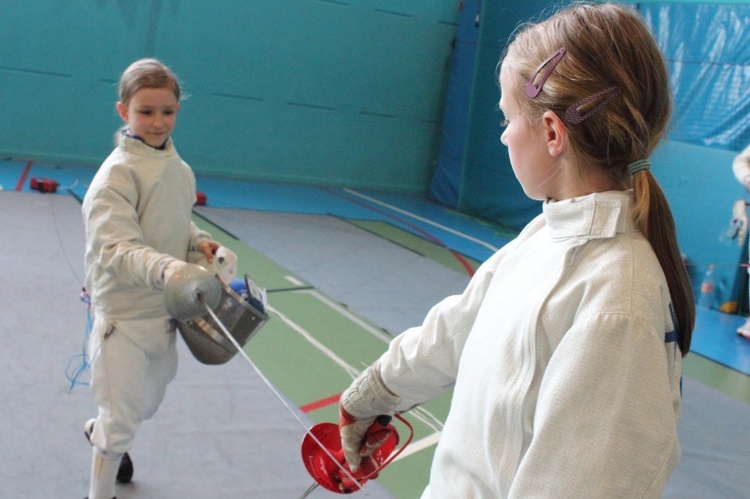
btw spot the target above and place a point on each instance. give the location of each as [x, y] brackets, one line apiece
[332, 92]
[708, 54]
[708, 57]
[701, 190]
[446, 181]
[484, 181]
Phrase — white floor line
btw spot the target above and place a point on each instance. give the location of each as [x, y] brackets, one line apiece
[419, 445]
[425, 220]
[377, 332]
[351, 370]
[293, 280]
[418, 413]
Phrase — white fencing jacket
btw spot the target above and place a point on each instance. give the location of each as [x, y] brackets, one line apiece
[563, 360]
[137, 215]
[741, 167]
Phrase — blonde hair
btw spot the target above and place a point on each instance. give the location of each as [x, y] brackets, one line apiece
[609, 53]
[147, 73]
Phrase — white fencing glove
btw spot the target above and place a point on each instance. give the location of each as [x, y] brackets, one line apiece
[366, 399]
[187, 287]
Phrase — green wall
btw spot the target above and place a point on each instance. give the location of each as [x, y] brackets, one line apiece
[328, 92]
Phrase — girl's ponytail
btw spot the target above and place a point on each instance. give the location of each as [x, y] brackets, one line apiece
[654, 218]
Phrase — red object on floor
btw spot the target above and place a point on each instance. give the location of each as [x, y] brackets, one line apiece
[43, 184]
[200, 198]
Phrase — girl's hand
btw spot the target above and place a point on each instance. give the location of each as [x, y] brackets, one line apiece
[208, 248]
[366, 399]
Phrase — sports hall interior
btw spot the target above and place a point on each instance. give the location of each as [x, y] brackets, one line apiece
[349, 153]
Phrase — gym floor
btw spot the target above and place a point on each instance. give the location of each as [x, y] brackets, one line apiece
[345, 271]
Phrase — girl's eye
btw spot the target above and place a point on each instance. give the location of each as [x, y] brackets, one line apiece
[504, 123]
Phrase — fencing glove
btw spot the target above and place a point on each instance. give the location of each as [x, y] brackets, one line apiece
[366, 399]
[187, 287]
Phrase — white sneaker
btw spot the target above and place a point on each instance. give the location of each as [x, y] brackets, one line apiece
[88, 428]
[744, 330]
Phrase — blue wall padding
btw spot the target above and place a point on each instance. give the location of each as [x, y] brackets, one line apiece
[701, 191]
[490, 189]
[332, 92]
[446, 181]
[473, 171]
[707, 48]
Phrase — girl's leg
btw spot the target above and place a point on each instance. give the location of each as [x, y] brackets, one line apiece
[103, 471]
[118, 380]
[161, 371]
[118, 383]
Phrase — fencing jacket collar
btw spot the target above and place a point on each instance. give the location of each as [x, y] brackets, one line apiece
[595, 216]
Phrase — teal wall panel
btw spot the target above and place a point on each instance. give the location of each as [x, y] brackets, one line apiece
[59, 61]
[347, 93]
[315, 91]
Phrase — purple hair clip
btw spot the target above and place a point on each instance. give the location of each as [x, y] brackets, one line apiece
[533, 90]
[574, 116]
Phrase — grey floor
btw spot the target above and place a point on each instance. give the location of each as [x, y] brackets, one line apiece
[221, 432]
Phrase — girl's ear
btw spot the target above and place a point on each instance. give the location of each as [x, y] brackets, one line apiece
[555, 134]
[122, 110]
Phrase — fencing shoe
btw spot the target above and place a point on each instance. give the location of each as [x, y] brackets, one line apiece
[125, 471]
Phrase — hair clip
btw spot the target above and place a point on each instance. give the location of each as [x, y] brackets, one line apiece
[574, 116]
[533, 90]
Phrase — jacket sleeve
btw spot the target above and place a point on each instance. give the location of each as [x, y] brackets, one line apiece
[606, 417]
[422, 362]
[741, 167]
